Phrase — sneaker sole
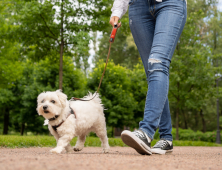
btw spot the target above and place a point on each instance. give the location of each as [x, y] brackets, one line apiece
[160, 151]
[131, 140]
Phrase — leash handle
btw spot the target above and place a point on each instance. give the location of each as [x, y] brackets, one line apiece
[113, 34]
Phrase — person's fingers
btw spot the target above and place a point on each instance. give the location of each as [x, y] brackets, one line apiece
[114, 20]
[119, 25]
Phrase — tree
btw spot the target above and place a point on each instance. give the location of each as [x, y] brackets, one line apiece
[191, 76]
[42, 76]
[115, 92]
[10, 58]
[123, 50]
[10, 64]
[60, 25]
[139, 90]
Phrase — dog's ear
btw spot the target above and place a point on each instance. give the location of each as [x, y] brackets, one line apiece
[38, 111]
[62, 97]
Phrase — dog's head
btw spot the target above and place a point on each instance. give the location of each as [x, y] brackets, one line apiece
[51, 104]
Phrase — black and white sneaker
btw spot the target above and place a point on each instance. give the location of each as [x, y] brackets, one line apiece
[138, 140]
[162, 147]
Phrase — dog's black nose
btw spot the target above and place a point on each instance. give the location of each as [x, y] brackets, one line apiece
[45, 107]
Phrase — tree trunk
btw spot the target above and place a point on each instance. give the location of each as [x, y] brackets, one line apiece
[61, 67]
[22, 129]
[177, 124]
[215, 39]
[185, 120]
[61, 50]
[203, 121]
[6, 121]
[196, 121]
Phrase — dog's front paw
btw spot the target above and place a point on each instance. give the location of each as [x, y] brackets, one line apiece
[77, 148]
[57, 150]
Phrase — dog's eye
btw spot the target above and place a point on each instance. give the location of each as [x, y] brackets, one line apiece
[42, 101]
[53, 101]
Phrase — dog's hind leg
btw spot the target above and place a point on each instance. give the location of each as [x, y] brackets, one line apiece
[80, 143]
[101, 132]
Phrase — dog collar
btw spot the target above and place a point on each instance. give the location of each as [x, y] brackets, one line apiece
[54, 118]
[71, 112]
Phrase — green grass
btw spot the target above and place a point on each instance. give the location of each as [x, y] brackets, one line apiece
[10, 141]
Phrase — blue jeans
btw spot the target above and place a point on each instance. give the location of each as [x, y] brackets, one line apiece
[156, 28]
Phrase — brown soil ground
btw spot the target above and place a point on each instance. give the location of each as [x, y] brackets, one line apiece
[119, 158]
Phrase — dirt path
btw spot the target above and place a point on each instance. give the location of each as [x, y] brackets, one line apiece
[120, 158]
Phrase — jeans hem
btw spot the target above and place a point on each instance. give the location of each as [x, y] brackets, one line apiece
[169, 139]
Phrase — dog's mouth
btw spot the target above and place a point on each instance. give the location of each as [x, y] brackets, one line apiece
[46, 111]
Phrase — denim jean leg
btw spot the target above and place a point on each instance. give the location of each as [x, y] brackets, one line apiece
[170, 20]
[142, 26]
[156, 96]
[165, 126]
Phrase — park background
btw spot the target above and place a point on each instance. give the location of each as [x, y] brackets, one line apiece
[50, 44]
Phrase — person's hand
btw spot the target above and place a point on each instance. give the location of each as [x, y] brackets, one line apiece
[114, 20]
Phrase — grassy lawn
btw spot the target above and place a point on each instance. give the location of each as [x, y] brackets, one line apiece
[49, 141]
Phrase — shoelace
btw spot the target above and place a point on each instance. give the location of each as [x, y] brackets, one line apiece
[139, 134]
[161, 143]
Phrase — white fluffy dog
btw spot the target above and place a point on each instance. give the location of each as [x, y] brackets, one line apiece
[67, 119]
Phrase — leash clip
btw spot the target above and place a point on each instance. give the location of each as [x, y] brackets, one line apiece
[113, 33]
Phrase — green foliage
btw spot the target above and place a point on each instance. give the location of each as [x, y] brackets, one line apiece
[139, 89]
[194, 143]
[192, 75]
[199, 136]
[49, 141]
[190, 135]
[220, 120]
[31, 39]
[10, 66]
[49, 25]
[41, 77]
[123, 50]
[36, 78]
[10, 59]
[6, 97]
[115, 92]
[27, 141]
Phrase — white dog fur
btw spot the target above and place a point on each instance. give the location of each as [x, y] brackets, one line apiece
[89, 118]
